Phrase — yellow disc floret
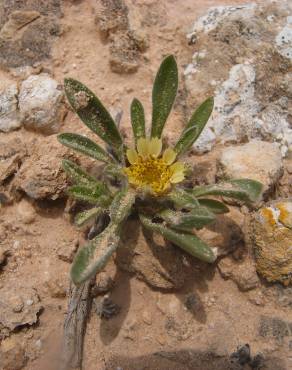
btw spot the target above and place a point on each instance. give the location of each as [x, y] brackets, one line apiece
[149, 170]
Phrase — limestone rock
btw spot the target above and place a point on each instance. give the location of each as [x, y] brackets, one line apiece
[156, 262]
[40, 103]
[10, 118]
[257, 160]
[248, 60]
[12, 152]
[41, 176]
[271, 232]
[18, 307]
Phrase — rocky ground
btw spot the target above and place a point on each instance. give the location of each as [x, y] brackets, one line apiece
[154, 307]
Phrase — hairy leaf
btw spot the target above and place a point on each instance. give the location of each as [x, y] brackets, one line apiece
[84, 145]
[92, 195]
[188, 242]
[77, 174]
[195, 126]
[163, 94]
[182, 199]
[83, 217]
[196, 218]
[93, 257]
[213, 205]
[243, 189]
[137, 119]
[92, 112]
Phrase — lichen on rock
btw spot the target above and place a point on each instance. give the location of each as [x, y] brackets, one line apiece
[271, 231]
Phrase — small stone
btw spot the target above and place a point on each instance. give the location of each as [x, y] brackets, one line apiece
[10, 117]
[57, 288]
[146, 317]
[12, 152]
[26, 212]
[239, 162]
[274, 327]
[67, 251]
[17, 304]
[41, 103]
[18, 307]
[242, 273]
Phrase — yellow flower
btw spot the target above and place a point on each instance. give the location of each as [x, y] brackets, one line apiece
[149, 170]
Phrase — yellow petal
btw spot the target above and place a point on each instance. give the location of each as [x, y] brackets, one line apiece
[177, 177]
[132, 156]
[169, 156]
[143, 147]
[155, 146]
[177, 167]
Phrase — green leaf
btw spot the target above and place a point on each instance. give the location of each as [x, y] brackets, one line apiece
[84, 145]
[252, 187]
[83, 217]
[92, 112]
[245, 190]
[188, 242]
[182, 199]
[121, 205]
[77, 174]
[196, 218]
[163, 94]
[195, 126]
[92, 195]
[137, 119]
[214, 205]
[93, 257]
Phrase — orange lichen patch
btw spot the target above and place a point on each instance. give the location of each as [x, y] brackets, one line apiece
[273, 242]
[285, 216]
[269, 216]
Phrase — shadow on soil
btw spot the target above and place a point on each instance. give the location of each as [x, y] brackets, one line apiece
[193, 360]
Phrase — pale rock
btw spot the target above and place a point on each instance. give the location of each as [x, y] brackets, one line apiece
[209, 21]
[67, 251]
[26, 212]
[284, 40]
[41, 103]
[242, 273]
[12, 152]
[42, 176]
[256, 160]
[19, 306]
[10, 117]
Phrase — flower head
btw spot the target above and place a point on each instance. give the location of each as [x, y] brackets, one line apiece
[150, 170]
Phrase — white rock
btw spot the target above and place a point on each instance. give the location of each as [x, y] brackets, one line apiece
[235, 107]
[10, 118]
[257, 160]
[40, 102]
[209, 21]
[284, 40]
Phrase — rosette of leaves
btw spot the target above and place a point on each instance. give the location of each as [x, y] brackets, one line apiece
[146, 179]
